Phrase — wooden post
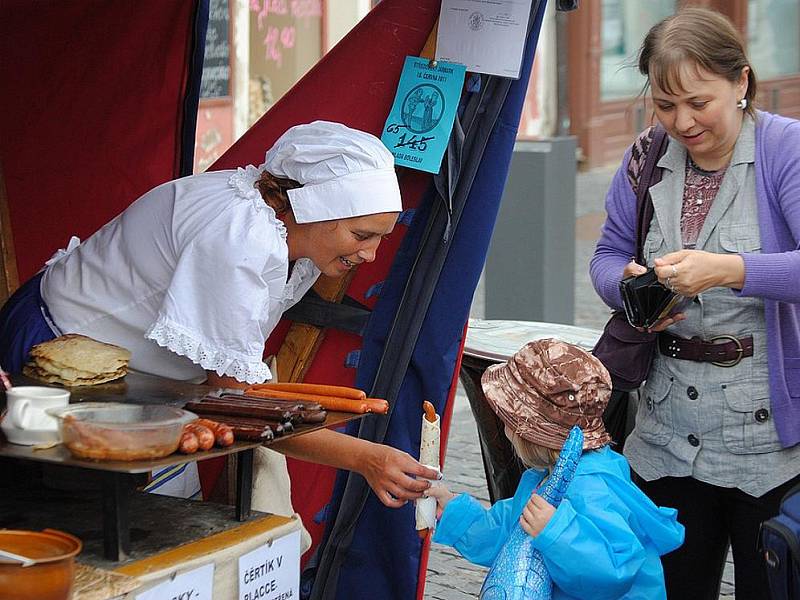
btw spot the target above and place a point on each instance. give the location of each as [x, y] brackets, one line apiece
[302, 341]
[9, 278]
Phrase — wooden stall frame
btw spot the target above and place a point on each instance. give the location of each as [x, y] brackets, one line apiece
[9, 277]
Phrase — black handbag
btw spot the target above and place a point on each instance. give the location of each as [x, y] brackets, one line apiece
[626, 352]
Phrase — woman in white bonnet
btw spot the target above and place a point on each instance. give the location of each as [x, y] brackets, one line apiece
[193, 277]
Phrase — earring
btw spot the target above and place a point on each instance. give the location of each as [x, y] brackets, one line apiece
[742, 103]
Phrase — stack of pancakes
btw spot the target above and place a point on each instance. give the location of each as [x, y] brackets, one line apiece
[73, 360]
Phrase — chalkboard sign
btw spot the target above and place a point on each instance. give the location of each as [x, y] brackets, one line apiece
[216, 79]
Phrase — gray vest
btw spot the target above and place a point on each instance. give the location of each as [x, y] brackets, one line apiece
[697, 419]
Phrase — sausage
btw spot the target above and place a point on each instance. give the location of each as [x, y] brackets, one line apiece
[225, 407]
[327, 402]
[205, 437]
[247, 428]
[264, 401]
[253, 435]
[315, 389]
[316, 416]
[223, 434]
[430, 412]
[377, 405]
[188, 443]
[309, 412]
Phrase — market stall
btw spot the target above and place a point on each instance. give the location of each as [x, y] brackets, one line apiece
[410, 306]
[123, 529]
[98, 106]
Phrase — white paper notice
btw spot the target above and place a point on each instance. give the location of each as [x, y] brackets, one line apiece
[488, 36]
[197, 584]
[271, 572]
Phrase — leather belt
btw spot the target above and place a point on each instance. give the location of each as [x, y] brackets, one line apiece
[722, 350]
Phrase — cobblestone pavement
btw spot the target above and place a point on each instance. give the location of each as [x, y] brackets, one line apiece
[449, 576]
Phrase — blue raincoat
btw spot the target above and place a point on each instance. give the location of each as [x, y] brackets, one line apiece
[603, 542]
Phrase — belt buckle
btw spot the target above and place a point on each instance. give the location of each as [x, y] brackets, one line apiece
[739, 351]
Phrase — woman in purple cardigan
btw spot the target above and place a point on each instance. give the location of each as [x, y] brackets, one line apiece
[717, 430]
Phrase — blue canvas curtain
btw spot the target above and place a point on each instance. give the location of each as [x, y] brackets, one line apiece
[412, 342]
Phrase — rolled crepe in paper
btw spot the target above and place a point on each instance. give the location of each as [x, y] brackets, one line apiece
[428, 456]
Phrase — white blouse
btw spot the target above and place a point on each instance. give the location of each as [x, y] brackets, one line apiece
[191, 277]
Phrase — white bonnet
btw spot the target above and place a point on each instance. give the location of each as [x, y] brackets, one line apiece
[344, 172]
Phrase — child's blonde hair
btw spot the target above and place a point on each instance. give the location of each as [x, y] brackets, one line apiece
[532, 455]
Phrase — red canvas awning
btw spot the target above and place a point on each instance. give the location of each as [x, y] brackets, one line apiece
[91, 111]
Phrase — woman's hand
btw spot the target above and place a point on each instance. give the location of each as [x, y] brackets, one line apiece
[443, 496]
[634, 268]
[664, 323]
[691, 272]
[536, 515]
[389, 471]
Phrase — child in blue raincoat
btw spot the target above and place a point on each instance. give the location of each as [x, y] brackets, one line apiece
[605, 538]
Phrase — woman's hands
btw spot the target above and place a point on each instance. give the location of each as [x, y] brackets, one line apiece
[691, 272]
[634, 268]
[389, 471]
[536, 515]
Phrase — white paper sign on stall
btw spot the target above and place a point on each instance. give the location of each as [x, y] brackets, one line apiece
[271, 572]
[197, 584]
[488, 36]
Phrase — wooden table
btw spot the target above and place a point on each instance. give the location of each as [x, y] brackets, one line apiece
[119, 479]
[490, 342]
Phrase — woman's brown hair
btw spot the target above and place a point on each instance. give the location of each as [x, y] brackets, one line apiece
[699, 35]
[273, 190]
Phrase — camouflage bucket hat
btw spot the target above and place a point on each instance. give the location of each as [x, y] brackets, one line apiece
[546, 388]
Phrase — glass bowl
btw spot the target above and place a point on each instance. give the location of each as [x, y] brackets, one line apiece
[116, 431]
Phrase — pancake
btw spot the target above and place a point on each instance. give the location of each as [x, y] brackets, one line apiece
[77, 360]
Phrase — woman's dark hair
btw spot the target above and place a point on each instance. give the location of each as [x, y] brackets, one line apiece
[699, 35]
[273, 190]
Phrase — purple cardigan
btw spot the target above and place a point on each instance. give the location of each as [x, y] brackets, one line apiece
[773, 275]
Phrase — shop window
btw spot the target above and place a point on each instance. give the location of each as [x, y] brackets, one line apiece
[285, 42]
[214, 133]
[624, 25]
[773, 37]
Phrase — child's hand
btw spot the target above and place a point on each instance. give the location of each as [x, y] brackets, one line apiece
[536, 515]
[442, 495]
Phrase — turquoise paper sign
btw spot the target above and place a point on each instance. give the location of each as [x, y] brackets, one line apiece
[422, 115]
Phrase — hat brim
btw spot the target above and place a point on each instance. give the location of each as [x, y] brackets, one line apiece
[366, 193]
[499, 383]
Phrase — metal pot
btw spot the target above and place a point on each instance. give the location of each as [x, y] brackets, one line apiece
[52, 574]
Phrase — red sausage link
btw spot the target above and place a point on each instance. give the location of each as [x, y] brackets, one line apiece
[205, 437]
[188, 443]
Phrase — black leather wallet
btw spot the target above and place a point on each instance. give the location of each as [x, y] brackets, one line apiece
[647, 301]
